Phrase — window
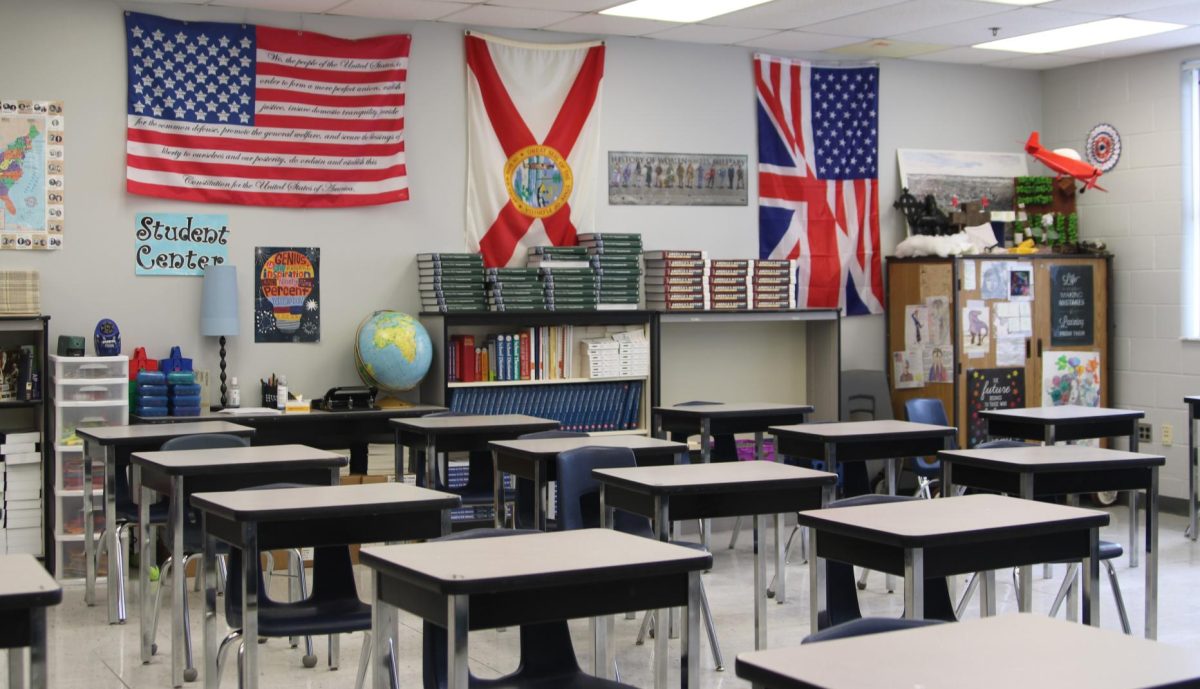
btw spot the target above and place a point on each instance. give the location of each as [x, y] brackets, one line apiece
[1191, 199]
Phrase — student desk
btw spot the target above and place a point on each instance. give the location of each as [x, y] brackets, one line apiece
[727, 489]
[1024, 650]
[1193, 405]
[924, 539]
[459, 434]
[26, 590]
[533, 459]
[513, 580]
[1047, 470]
[102, 445]
[181, 473]
[259, 520]
[351, 429]
[1072, 422]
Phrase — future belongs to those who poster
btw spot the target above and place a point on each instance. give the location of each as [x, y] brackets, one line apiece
[987, 389]
[287, 294]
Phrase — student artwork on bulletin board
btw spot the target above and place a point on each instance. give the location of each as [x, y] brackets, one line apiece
[907, 371]
[938, 312]
[994, 282]
[1071, 378]
[916, 327]
[287, 294]
[976, 331]
[1020, 281]
[991, 388]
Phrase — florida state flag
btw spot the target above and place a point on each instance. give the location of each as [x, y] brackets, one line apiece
[533, 144]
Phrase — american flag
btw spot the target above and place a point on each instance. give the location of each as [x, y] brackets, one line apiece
[818, 186]
[235, 113]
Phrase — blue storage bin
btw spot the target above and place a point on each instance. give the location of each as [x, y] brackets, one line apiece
[152, 401]
[150, 411]
[185, 411]
[151, 378]
[181, 378]
[185, 390]
[152, 391]
[185, 401]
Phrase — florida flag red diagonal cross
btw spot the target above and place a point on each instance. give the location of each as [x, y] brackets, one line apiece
[818, 179]
[533, 144]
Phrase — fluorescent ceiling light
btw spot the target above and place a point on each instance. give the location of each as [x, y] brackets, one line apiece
[1080, 35]
[679, 10]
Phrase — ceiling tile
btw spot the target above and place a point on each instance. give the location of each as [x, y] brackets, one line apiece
[605, 24]
[291, 6]
[1040, 62]
[1112, 7]
[563, 5]
[702, 33]
[1146, 44]
[800, 41]
[789, 14]
[881, 47]
[508, 17]
[967, 56]
[1188, 13]
[1014, 23]
[410, 10]
[910, 16]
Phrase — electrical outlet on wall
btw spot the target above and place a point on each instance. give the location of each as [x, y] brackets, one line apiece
[1145, 432]
[1167, 434]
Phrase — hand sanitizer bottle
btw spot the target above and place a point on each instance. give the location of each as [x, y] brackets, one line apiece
[235, 395]
[281, 393]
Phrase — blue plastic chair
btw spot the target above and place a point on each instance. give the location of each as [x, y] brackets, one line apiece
[523, 509]
[333, 607]
[547, 653]
[865, 626]
[477, 491]
[578, 507]
[929, 471]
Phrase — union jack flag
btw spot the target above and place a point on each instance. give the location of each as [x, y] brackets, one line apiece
[818, 179]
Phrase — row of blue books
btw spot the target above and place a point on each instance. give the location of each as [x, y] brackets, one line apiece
[589, 407]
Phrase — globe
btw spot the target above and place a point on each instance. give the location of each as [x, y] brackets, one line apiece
[392, 351]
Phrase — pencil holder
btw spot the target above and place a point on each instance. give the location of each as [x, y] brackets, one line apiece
[270, 396]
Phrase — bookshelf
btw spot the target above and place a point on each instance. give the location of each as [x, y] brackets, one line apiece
[28, 533]
[609, 404]
[791, 356]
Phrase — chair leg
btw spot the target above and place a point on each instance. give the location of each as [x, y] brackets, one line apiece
[300, 592]
[1120, 600]
[364, 660]
[862, 579]
[737, 529]
[167, 566]
[966, 597]
[647, 622]
[222, 573]
[222, 651]
[393, 665]
[335, 651]
[787, 550]
[713, 642]
[1067, 584]
[121, 570]
[189, 669]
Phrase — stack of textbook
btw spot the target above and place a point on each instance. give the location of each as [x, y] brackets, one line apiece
[617, 260]
[515, 289]
[21, 490]
[729, 284]
[451, 282]
[676, 280]
[568, 280]
[773, 284]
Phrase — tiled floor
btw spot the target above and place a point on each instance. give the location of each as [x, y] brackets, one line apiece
[87, 653]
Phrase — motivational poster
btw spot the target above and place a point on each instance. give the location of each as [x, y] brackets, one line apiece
[1072, 313]
[287, 299]
[178, 244]
[987, 389]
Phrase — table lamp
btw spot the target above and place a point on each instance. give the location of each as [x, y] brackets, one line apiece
[219, 309]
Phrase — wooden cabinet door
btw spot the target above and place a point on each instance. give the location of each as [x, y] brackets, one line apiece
[914, 283]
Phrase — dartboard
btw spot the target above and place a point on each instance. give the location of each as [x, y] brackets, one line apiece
[1103, 147]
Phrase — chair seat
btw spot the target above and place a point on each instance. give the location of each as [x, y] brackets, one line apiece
[867, 625]
[306, 618]
[1107, 551]
[575, 680]
[159, 512]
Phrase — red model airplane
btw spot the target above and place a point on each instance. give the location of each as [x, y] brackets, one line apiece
[1065, 162]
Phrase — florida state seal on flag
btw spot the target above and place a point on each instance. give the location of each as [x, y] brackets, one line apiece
[533, 144]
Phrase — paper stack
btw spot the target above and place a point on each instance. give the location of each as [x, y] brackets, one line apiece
[22, 491]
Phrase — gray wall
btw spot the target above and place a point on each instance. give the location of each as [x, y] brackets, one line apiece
[658, 96]
[1140, 219]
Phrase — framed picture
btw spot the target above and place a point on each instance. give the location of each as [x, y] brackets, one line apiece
[676, 179]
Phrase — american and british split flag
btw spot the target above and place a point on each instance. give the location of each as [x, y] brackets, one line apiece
[236, 113]
[818, 179]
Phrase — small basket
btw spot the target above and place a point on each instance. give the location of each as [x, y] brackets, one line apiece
[270, 396]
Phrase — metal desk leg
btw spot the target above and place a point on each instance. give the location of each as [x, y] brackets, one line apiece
[1091, 580]
[208, 585]
[706, 457]
[780, 571]
[689, 662]
[1152, 555]
[760, 585]
[456, 637]
[1192, 517]
[914, 583]
[498, 495]
[431, 463]
[89, 532]
[1050, 438]
[987, 593]
[1133, 504]
[662, 526]
[16, 667]
[656, 429]
[250, 593]
[1073, 592]
[179, 582]
[1025, 601]
[816, 584]
[399, 459]
[383, 634]
[115, 583]
[39, 668]
[539, 496]
[146, 549]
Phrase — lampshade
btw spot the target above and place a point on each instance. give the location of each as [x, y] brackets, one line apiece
[219, 301]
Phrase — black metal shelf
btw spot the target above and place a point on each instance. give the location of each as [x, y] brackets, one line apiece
[531, 318]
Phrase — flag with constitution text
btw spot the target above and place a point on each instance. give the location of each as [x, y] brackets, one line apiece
[236, 113]
[533, 145]
[818, 179]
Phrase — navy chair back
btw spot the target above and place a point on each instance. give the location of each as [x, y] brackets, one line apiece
[867, 625]
[578, 496]
[192, 537]
[477, 489]
[864, 397]
[928, 410]
[525, 488]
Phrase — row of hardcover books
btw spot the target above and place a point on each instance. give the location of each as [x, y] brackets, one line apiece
[588, 407]
[535, 353]
[689, 281]
[451, 282]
